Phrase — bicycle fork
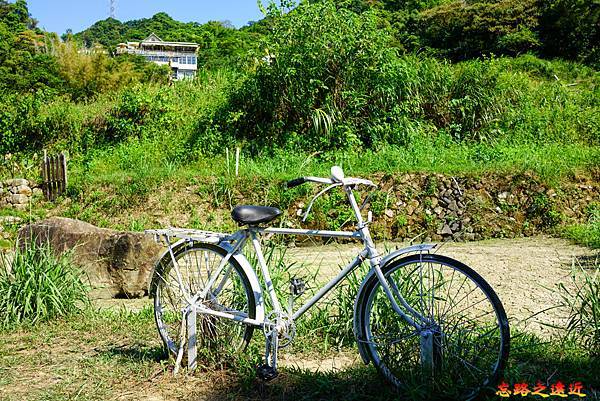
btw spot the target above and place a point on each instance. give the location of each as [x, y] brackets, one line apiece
[430, 334]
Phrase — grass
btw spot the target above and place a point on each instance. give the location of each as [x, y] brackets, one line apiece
[35, 285]
[587, 234]
[584, 304]
[134, 165]
[133, 187]
[109, 354]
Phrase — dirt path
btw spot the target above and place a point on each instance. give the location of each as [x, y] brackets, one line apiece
[524, 272]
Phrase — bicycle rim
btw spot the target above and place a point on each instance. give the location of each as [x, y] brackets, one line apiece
[464, 342]
[230, 292]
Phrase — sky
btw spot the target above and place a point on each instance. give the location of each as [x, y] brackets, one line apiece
[60, 15]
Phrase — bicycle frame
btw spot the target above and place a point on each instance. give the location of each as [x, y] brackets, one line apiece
[235, 243]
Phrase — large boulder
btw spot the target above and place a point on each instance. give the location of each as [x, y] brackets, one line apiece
[117, 263]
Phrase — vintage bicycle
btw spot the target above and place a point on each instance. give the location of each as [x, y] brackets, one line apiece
[422, 319]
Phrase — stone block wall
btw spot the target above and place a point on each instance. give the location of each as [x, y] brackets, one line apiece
[16, 193]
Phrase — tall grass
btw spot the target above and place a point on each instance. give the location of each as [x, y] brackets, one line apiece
[35, 285]
[584, 304]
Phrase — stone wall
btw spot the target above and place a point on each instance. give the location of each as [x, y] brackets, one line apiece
[16, 193]
[434, 207]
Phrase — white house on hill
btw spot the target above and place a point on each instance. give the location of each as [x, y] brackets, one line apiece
[180, 56]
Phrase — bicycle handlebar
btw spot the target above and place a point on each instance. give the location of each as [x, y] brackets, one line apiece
[345, 181]
[337, 180]
[295, 182]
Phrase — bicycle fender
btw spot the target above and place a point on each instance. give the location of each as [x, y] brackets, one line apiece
[359, 301]
[240, 258]
[399, 252]
[252, 278]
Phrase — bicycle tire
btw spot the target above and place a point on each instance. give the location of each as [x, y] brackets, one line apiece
[407, 347]
[208, 327]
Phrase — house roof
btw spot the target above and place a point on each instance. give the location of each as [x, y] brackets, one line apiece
[154, 39]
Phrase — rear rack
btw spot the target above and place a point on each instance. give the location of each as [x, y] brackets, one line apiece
[162, 234]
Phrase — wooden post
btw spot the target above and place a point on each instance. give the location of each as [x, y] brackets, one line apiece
[227, 159]
[45, 175]
[64, 161]
[54, 174]
[237, 161]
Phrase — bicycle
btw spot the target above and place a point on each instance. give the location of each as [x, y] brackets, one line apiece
[425, 321]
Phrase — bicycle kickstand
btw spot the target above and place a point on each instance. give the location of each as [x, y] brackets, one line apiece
[268, 371]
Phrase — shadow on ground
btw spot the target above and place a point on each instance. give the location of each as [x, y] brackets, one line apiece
[531, 360]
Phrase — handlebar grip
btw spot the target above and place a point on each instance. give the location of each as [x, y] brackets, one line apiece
[295, 182]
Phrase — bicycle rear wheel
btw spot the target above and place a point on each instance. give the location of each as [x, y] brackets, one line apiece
[231, 292]
[461, 348]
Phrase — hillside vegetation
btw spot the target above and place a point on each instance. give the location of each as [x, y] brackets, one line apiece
[355, 83]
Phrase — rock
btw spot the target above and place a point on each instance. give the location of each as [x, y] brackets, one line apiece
[453, 206]
[16, 199]
[117, 261]
[389, 213]
[502, 196]
[10, 220]
[438, 210]
[446, 230]
[412, 206]
[24, 190]
[16, 182]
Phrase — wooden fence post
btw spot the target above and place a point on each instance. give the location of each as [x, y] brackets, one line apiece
[54, 174]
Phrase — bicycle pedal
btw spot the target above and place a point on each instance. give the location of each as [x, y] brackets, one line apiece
[266, 372]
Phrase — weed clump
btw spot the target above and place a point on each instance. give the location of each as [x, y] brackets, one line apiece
[36, 285]
[587, 234]
[584, 304]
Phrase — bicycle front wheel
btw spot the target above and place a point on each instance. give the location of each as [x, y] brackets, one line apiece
[463, 342]
[230, 292]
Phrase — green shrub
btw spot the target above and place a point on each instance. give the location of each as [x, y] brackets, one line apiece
[331, 79]
[470, 29]
[587, 234]
[19, 122]
[312, 88]
[571, 29]
[36, 286]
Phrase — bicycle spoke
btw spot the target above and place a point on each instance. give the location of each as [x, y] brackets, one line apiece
[460, 317]
[231, 296]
